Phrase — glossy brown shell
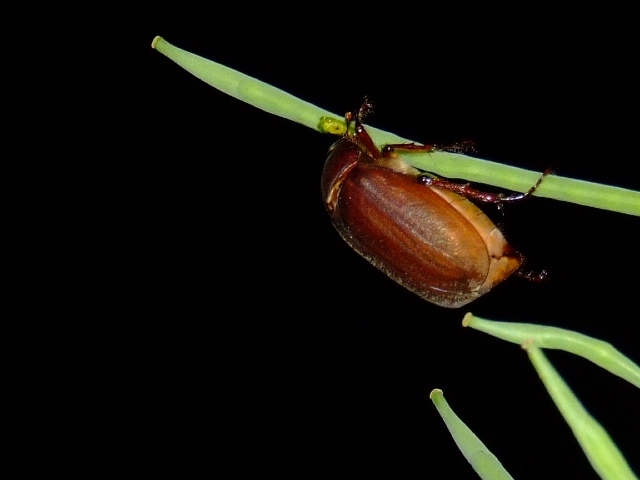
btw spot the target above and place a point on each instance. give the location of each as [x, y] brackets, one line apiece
[434, 242]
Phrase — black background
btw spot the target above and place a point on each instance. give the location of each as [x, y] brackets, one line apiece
[185, 307]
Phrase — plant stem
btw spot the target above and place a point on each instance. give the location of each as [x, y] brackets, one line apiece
[452, 165]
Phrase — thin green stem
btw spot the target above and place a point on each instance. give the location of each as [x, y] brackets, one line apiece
[597, 351]
[485, 463]
[601, 451]
[446, 164]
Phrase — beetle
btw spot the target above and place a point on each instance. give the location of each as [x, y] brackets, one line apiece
[418, 230]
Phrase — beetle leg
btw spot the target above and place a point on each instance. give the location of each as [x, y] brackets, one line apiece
[521, 196]
[540, 276]
[360, 136]
[366, 109]
[464, 146]
[530, 275]
[466, 190]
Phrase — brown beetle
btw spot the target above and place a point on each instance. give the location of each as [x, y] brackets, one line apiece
[431, 240]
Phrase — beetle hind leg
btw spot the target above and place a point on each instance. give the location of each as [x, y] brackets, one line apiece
[516, 197]
[466, 190]
[533, 276]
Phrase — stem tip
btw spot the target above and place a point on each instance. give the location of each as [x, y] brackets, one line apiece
[155, 40]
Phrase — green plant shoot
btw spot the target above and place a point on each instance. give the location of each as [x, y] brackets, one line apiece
[601, 451]
[485, 463]
[445, 164]
[597, 351]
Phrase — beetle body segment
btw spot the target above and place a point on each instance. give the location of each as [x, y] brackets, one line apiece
[432, 241]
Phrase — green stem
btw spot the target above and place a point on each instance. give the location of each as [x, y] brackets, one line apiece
[277, 102]
[601, 451]
[597, 351]
[485, 463]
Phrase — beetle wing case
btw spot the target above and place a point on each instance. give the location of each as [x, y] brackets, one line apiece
[434, 242]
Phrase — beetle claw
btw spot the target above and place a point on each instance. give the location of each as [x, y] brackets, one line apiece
[532, 276]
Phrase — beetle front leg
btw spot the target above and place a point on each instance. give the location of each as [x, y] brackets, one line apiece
[360, 135]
